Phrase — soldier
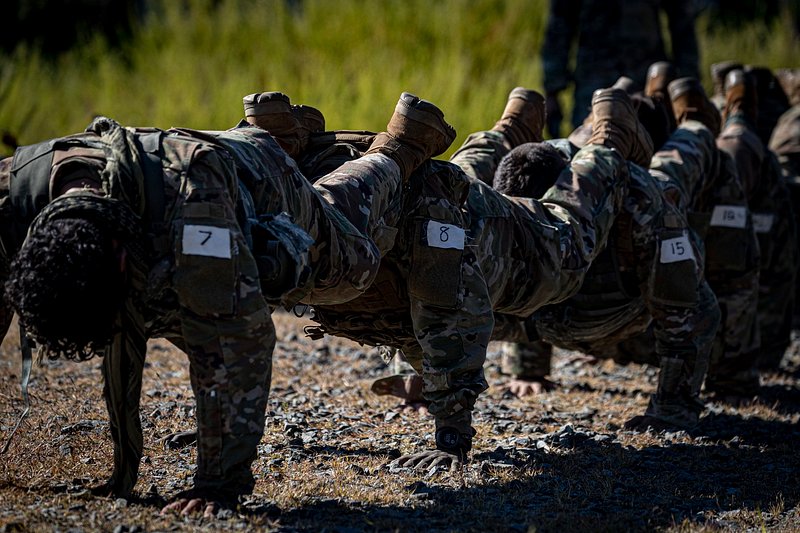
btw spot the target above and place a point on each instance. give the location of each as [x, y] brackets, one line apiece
[182, 234]
[785, 144]
[614, 38]
[746, 108]
[704, 182]
[650, 275]
[516, 255]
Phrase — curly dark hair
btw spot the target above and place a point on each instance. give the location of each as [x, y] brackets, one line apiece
[529, 170]
[66, 286]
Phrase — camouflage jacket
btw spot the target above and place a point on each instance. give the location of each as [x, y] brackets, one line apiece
[464, 252]
[785, 143]
[652, 268]
[196, 282]
[702, 179]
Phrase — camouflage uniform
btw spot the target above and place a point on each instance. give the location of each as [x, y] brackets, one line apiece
[508, 256]
[773, 218]
[200, 197]
[615, 38]
[785, 144]
[717, 207]
[650, 275]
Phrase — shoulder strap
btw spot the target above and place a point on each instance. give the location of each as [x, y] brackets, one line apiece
[29, 187]
[148, 142]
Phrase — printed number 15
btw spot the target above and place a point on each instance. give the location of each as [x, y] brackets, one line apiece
[678, 248]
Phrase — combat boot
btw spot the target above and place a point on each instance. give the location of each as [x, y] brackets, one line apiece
[789, 79]
[416, 132]
[689, 102]
[310, 118]
[676, 401]
[718, 73]
[615, 125]
[740, 97]
[523, 117]
[626, 84]
[659, 76]
[272, 111]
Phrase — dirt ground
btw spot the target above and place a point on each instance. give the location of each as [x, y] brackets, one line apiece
[560, 462]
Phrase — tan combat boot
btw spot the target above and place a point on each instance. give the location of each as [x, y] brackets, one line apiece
[523, 117]
[689, 102]
[740, 97]
[718, 73]
[626, 84]
[789, 78]
[310, 118]
[272, 111]
[416, 132]
[659, 76]
[615, 125]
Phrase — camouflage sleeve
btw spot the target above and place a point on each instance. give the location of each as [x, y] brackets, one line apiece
[777, 236]
[480, 155]
[684, 309]
[450, 305]
[686, 163]
[707, 180]
[562, 27]
[226, 328]
[454, 340]
[584, 220]
[681, 15]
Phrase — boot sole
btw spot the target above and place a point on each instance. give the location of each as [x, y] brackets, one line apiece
[528, 95]
[425, 113]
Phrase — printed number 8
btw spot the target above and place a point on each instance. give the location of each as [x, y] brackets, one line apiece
[443, 235]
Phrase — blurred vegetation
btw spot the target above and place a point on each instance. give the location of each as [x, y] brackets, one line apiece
[188, 63]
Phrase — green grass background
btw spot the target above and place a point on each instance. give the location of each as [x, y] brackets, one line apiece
[190, 62]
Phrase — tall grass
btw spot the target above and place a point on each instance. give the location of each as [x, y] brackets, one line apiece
[190, 62]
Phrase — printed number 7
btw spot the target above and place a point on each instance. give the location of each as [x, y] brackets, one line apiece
[208, 235]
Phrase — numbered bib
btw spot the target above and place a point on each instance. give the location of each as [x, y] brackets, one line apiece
[762, 222]
[445, 235]
[210, 241]
[676, 249]
[729, 216]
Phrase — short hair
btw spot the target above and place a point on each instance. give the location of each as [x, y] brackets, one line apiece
[66, 286]
[529, 170]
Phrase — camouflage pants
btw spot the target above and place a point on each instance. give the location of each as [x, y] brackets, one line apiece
[731, 263]
[351, 214]
[777, 280]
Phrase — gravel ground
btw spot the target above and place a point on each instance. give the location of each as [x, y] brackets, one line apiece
[559, 462]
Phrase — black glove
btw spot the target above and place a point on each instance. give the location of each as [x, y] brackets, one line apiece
[452, 441]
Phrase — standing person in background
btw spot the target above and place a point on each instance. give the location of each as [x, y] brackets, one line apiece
[614, 38]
